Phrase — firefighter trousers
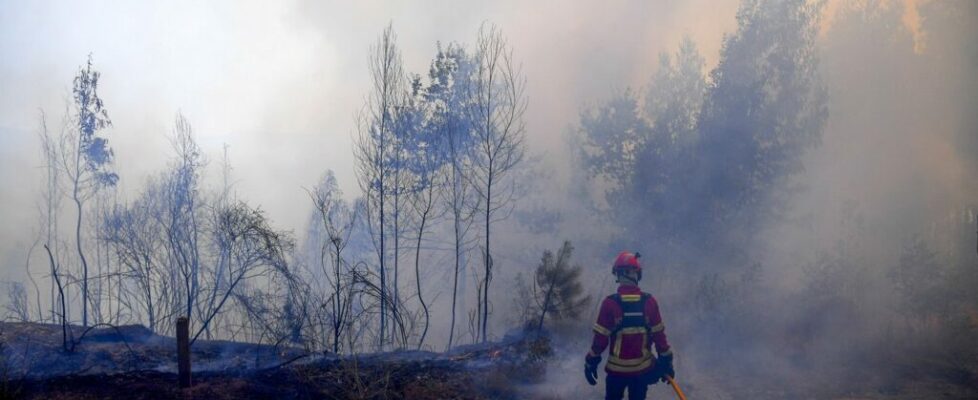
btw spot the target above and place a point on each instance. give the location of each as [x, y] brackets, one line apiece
[614, 387]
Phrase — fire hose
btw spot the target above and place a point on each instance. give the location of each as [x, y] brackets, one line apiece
[675, 386]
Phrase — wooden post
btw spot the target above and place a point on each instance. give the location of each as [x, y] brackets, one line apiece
[183, 351]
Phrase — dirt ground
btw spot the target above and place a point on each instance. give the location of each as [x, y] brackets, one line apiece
[132, 363]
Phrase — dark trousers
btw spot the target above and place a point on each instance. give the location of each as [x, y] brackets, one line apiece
[614, 387]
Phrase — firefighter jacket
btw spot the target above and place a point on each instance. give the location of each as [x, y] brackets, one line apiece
[630, 322]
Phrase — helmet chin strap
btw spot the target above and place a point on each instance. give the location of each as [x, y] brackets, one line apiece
[626, 278]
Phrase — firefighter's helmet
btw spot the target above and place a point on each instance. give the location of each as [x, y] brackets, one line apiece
[627, 261]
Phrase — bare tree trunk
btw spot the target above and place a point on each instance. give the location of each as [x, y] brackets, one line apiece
[396, 303]
[30, 276]
[458, 256]
[488, 260]
[500, 101]
[81, 256]
[338, 307]
[417, 270]
[383, 275]
[372, 152]
[61, 296]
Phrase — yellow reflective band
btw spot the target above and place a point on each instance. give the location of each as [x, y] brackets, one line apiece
[617, 344]
[614, 366]
[631, 297]
[658, 328]
[632, 330]
[629, 362]
[601, 330]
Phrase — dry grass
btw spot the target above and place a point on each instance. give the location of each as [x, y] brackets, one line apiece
[492, 371]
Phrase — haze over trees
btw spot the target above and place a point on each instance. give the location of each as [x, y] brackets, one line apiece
[711, 157]
[703, 171]
[698, 170]
[434, 156]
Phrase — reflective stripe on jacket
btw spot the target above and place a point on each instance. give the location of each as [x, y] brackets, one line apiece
[630, 322]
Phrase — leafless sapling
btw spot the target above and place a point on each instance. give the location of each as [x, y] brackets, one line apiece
[250, 244]
[499, 99]
[375, 150]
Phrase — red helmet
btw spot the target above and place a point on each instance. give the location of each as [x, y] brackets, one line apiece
[627, 260]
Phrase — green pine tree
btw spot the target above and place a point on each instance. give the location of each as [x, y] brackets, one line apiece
[557, 288]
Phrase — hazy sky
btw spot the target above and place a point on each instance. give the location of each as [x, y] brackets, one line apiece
[280, 82]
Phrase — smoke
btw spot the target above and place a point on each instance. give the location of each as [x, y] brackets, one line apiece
[280, 84]
[892, 177]
[899, 145]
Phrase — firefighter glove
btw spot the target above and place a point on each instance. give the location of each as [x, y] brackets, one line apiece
[591, 369]
[664, 365]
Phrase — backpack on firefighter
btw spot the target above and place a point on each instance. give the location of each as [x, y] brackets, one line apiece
[633, 326]
[629, 321]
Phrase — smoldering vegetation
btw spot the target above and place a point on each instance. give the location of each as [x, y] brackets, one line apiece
[132, 362]
[805, 208]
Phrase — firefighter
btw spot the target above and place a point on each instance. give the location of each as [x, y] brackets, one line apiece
[630, 323]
